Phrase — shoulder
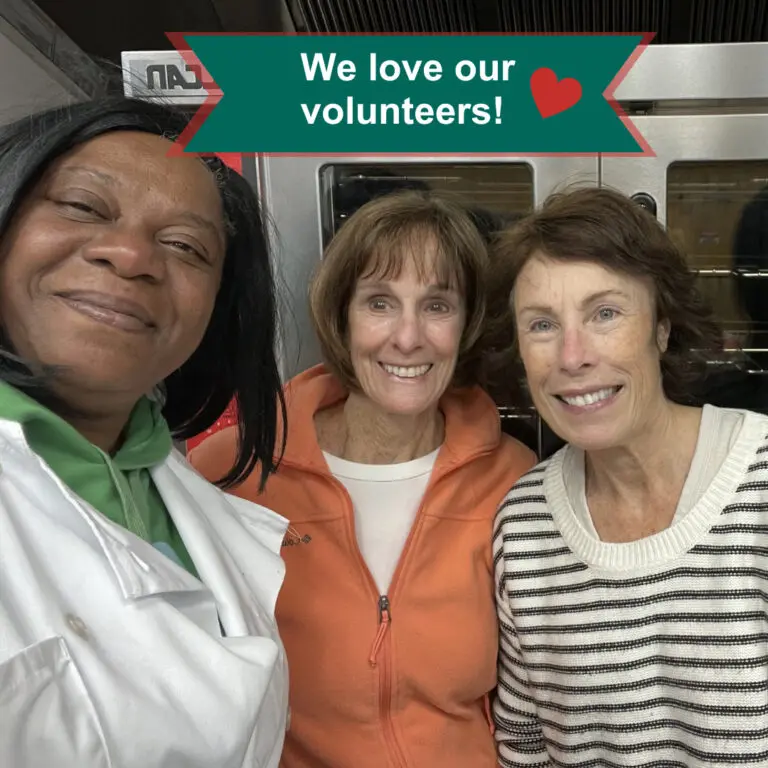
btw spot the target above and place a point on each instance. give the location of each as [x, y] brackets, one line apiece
[517, 452]
[745, 430]
[214, 457]
[13, 442]
[523, 523]
[225, 512]
[505, 464]
[527, 500]
[747, 457]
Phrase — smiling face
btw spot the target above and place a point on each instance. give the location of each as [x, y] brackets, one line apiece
[111, 267]
[591, 348]
[404, 336]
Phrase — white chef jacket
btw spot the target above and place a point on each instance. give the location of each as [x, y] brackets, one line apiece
[110, 653]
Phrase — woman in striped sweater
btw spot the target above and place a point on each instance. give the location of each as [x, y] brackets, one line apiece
[631, 566]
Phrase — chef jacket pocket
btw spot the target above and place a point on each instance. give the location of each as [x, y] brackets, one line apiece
[46, 716]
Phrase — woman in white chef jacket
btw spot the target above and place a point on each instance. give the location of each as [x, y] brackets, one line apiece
[136, 600]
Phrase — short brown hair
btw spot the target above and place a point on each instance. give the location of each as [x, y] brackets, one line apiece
[378, 239]
[600, 225]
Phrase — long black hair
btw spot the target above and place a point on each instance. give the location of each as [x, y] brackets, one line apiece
[236, 359]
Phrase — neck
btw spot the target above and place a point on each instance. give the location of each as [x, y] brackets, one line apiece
[666, 445]
[637, 487]
[359, 431]
[100, 421]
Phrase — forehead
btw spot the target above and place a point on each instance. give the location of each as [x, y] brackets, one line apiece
[138, 162]
[415, 259]
[547, 281]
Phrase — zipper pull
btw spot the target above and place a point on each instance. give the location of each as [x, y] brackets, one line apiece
[385, 619]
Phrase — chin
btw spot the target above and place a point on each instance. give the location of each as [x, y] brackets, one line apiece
[592, 442]
[414, 409]
[104, 377]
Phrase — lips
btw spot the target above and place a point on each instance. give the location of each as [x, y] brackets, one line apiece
[407, 371]
[591, 397]
[108, 309]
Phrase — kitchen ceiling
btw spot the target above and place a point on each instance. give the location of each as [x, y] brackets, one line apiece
[104, 30]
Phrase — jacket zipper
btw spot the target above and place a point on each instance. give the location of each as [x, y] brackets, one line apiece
[379, 646]
[384, 612]
[384, 619]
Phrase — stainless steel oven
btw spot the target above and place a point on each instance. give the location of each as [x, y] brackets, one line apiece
[703, 110]
[706, 118]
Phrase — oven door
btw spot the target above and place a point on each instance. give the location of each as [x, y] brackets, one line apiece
[708, 184]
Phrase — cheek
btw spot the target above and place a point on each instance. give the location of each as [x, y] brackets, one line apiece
[38, 243]
[194, 302]
[630, 348]
[445, 337]
[538, 360]
[367, 333]
[18, 263]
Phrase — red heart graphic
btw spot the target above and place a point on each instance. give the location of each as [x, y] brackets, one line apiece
[552, 97]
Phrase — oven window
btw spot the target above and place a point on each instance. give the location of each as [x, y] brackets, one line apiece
[504, 191]
[717, 212]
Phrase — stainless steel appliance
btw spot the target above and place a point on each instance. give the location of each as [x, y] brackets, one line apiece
[703, 110]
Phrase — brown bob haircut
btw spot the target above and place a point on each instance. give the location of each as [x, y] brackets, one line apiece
[605, 227]
[377, 240]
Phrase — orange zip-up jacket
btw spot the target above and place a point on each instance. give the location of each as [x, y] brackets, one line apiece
[399, 680]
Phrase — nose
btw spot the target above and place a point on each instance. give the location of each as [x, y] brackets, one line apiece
[130, 252]
[576, 352]
[407, 332]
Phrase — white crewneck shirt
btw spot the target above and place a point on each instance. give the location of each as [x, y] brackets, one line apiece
[386, 499]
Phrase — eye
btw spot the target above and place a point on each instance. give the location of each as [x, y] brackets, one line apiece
[378, 304]
[81, 209]
[186, 248]
[438, 306]
[606, 313]
[541, 326]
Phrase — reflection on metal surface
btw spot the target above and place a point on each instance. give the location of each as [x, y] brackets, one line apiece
[730, 273]
[696, 21]
[504, 190]
[717, 213]
[372, 16]
[717, 71]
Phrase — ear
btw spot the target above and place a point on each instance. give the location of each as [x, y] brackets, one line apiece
[662, 335]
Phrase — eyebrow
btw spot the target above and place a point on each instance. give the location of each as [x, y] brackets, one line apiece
[590, 299]
[202, 221]
[193, 218]
[378, 285]
[105, 177]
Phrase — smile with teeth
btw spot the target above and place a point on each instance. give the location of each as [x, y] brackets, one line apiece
[407, 371]
[590, 398]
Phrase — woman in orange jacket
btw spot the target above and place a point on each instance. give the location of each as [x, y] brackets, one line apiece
[394, 467]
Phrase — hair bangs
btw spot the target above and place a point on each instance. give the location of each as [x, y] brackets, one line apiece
[433, 256]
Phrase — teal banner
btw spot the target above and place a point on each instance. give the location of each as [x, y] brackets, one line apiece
[414, 94]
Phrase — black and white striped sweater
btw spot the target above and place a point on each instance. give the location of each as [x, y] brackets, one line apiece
[651, 653]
